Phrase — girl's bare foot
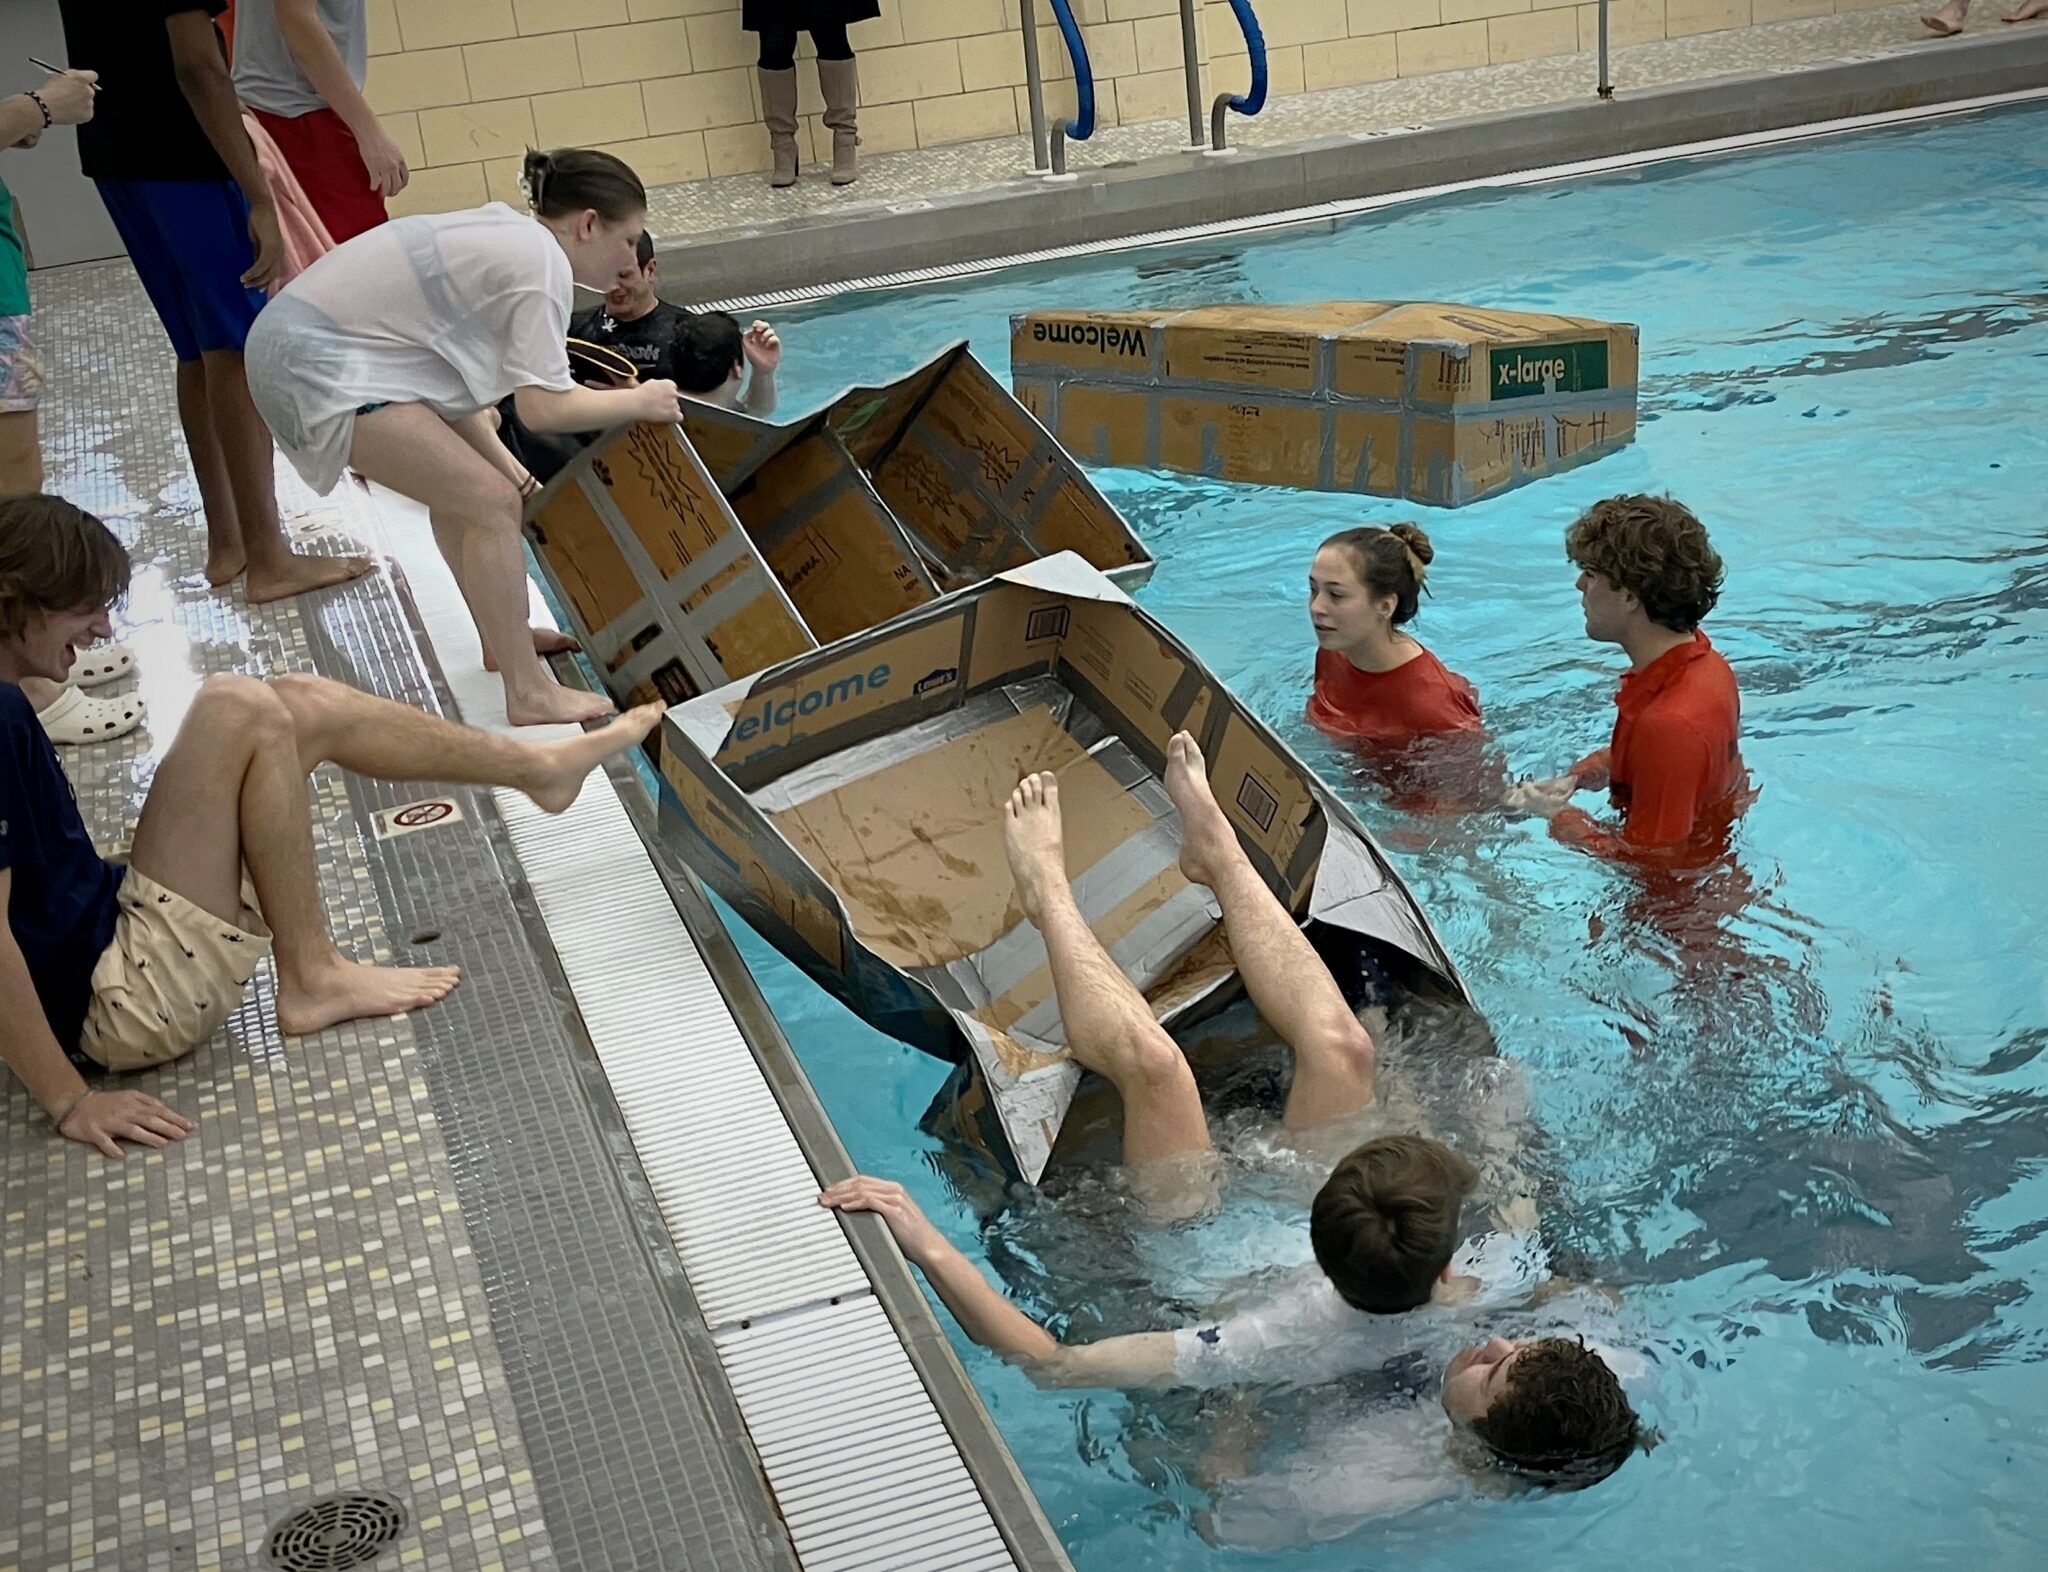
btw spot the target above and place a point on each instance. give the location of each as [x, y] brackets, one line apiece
[546, 641]
[554, 705]
[564, 765]
[2029, 11]
[1032, 841]
[296, 575]
[1205, 835]
[224, 564]
[1948, 21]
[344, 990]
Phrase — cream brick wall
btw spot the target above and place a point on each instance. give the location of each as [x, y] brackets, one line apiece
[669, 85]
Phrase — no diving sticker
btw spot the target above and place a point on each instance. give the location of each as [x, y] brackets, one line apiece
[412, 816]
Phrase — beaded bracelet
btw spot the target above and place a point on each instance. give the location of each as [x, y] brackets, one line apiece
[48, 118]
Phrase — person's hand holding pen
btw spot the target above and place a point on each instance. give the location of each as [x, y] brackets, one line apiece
[65, 99]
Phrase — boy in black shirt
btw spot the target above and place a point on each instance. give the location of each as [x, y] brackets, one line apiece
[105, 966]
[633, 321]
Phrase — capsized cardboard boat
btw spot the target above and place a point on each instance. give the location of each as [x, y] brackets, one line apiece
[849, 804]
[690, 555]
[1442, 404]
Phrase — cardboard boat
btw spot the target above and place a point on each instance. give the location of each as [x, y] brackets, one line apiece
[691, 555]
[848, 803]
[1443, 404]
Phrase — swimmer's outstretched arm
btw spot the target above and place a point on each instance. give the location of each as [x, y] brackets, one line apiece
[1144, 1359]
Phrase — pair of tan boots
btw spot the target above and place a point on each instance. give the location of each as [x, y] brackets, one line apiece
[840, 82]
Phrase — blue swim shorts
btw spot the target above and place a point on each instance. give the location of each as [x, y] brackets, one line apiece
[189, 239]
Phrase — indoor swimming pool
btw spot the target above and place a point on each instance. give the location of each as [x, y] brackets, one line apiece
[1795, 1105]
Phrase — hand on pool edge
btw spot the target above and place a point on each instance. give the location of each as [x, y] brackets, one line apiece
[920, 1242]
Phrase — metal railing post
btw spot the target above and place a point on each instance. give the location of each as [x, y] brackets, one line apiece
[1191, 63]
[1606, 82]
[1034, 86]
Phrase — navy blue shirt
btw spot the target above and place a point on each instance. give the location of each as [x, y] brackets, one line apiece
[63, 905]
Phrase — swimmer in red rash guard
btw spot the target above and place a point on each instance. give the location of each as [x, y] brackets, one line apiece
[1375, 683]
[1647, 575]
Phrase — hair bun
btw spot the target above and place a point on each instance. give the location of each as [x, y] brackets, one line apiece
[1411, 536]
[534, 172]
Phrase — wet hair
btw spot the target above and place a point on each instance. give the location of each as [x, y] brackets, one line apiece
[1385, 1223]
[1562, 1417]
[643, 250]
[1391, 561]
[707, 347]
[1655, 549]
[570, 179]
[55, 557]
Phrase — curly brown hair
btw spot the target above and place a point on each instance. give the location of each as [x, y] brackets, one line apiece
[1655, 549]
[1385, 1223]
[54, 557]
[1563, 1415]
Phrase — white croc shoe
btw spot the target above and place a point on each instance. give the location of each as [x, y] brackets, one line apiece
[101, 663]
[73, 719]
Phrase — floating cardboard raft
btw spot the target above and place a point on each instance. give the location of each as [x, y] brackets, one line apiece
[1441, 404]
[849, 805]
[692, 555]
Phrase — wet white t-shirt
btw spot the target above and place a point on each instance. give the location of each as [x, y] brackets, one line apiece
[1306, 1334]
[449, 310]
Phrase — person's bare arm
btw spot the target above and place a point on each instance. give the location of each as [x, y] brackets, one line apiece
[298, 22]
[594, 409]
[67, 96]
[1144, 1359]
[96, 1118]
[204, 80]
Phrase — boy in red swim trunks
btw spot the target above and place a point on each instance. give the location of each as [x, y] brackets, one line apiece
[1647, 576]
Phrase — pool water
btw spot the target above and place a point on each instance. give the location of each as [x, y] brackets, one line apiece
[1799, 1101]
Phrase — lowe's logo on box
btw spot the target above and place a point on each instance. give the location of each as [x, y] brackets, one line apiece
[1524, 371]
[775, 714]
[1108, 338]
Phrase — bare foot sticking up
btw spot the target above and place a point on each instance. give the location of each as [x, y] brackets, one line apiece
[345, 990]
[561, 767]
[1032, 841]
[1948, 21]
[297, 575]
[1205, 835]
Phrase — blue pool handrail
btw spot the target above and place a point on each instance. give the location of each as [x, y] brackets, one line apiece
[1082, 126]
[1244, 103]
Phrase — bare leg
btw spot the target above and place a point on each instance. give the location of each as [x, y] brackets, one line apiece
[480, 431]
[231, 793]
[475, 513]
[1110, 1028]
[275, 572]
[21, 452]
[337, 724]
[225, 558]
[1288, 983]
[1948, 21]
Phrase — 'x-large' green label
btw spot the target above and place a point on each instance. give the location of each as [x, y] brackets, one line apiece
[1523, 371]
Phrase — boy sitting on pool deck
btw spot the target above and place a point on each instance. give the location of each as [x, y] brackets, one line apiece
[112, 967]
[1647, 576]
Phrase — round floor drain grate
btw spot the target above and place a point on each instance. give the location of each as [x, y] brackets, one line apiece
[337, 1532]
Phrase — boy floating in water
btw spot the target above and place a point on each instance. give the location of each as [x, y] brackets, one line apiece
[1385, 1225]
[1647, 576]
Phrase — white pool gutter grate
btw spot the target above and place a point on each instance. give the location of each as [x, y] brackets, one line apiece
[864, 1470]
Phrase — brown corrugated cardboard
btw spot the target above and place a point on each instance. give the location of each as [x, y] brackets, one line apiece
[1441, 404]
[691, 556]
[849, 804]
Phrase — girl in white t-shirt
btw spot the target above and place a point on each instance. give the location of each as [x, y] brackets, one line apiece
[383, 355]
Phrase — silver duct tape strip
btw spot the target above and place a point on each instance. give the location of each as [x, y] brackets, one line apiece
[1145, 954]
[799, 513]
[1593, 400]
[862, 759]
[1031, 1107]
[703, 668]
[714, 559]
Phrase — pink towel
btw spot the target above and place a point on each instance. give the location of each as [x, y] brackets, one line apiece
[305, 238]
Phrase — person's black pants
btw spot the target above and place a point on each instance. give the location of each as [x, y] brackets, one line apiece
[778, 47]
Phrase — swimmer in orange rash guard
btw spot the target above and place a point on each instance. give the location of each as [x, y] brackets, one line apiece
[1647, 575]
[1375, 683]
